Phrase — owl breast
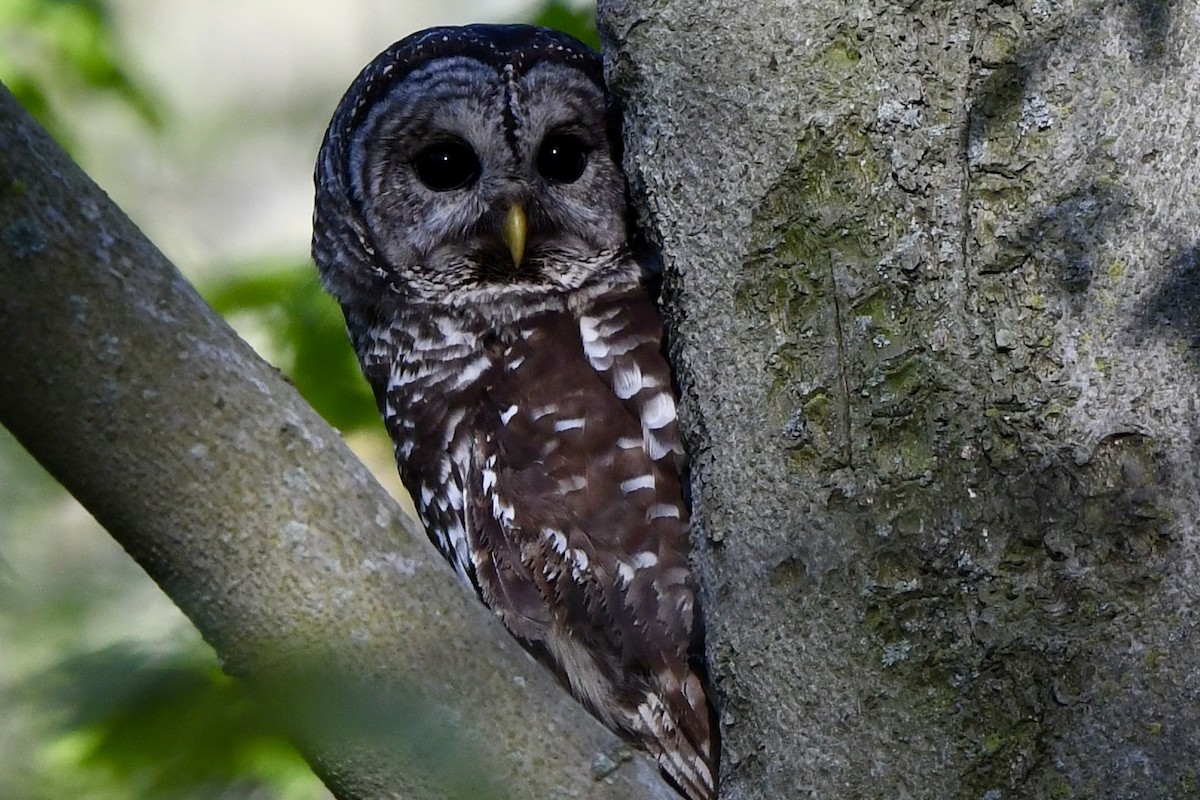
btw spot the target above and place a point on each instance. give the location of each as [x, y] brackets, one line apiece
[544, 460]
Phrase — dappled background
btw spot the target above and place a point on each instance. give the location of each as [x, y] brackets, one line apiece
[201, 118]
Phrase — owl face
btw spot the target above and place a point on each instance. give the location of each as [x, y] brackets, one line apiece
[482, 174]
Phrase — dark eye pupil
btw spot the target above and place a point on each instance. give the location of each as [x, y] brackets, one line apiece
[446, 166]
[562, 158]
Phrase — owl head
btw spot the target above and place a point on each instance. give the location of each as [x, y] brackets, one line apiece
[471, 166]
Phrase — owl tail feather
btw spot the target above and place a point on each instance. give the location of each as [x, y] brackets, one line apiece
[688, 764]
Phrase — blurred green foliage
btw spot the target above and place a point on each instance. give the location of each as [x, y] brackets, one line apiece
[67, 45]
[579, 21]
[163, 726]
[121, 723]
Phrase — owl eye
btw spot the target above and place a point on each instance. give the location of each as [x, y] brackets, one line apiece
[445, 166]
[562, 158]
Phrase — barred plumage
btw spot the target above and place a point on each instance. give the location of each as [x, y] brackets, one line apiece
[471, 220]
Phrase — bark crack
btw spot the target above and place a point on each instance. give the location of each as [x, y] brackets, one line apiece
[968, 123]
[843, 379]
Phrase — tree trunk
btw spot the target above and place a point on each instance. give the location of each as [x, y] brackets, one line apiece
[932, 276]
[259, 523]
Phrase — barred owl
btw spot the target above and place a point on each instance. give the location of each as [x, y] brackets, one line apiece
[471, 219]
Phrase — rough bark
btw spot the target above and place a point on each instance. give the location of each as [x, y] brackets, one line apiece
[258, 522]
[932, 272]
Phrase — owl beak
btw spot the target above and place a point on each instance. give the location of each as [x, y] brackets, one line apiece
[513, 232]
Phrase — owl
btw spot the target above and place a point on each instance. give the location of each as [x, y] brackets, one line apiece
[471, 219]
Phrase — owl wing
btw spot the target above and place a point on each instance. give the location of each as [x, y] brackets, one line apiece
[578, 530]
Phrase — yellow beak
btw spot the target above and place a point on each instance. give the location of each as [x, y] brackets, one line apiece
[513, 232]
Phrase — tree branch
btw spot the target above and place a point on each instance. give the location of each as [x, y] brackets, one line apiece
[254, 517]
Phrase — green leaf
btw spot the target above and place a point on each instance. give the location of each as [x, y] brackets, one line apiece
[578, 21]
